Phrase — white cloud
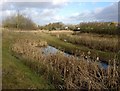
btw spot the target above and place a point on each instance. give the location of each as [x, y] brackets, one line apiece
[59, 2]
[75, 14]
[42, 16]
[52, 4]
[109, 13]
[106, 14]
[8, 13]
[38, 11]
[45, 12]
[99, 9]
[81, 17]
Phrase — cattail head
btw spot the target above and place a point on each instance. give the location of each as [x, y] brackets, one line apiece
[97, 59]
[89, 52]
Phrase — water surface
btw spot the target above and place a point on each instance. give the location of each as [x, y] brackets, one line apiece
[52, 50]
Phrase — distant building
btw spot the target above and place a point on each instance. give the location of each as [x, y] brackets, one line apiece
[66, 28]
[78, 28]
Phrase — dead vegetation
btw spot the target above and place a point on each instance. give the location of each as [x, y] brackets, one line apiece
[91, 41]
[66, 72]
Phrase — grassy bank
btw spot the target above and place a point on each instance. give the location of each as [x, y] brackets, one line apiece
[16, 75]
[76, 49]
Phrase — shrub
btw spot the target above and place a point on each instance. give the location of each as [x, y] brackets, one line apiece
[98, 27]
[18, 21]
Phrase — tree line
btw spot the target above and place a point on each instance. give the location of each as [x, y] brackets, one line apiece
[20, 21]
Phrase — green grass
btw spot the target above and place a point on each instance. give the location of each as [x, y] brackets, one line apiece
[16, 75]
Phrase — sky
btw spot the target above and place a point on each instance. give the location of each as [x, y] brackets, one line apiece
[66, 11]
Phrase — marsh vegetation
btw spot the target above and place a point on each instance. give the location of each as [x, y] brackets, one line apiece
[63, 59]
[64, 72]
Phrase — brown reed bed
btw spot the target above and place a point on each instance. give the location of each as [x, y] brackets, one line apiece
[92, 42]
[67, 72]
[99, 42]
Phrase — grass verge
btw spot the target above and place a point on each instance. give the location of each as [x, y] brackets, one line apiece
[16, 75]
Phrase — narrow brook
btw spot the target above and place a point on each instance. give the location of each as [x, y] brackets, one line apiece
[52, 50]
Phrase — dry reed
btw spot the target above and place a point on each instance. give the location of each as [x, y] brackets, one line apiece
[66, 72]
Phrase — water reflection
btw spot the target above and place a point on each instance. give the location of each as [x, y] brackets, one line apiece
[52, 50]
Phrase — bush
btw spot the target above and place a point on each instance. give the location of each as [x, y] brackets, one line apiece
[18, 21]
[98, 27]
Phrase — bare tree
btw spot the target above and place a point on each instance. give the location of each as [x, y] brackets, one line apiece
[19, 21]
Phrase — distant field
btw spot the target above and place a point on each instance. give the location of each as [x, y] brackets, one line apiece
[62, 31]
